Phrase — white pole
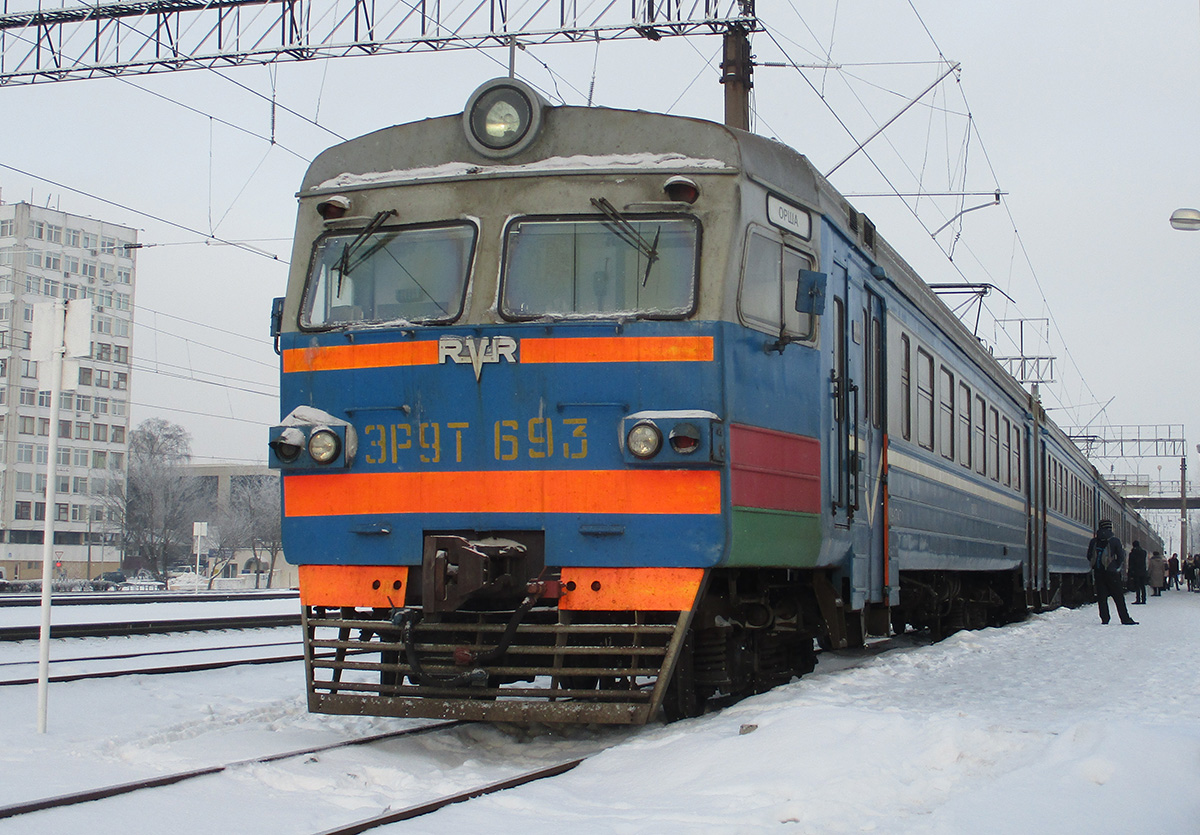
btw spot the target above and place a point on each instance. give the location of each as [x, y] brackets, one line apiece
[48, 529]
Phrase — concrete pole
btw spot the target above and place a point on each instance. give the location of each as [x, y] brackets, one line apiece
[56, 359]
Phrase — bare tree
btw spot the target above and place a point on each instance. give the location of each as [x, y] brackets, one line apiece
[159, 495]
[253, 521]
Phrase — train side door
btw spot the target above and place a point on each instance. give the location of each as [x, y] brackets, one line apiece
[844, 392]
[857, 482]
[871, 539]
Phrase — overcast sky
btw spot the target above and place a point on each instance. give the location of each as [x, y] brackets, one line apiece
[1081, 112]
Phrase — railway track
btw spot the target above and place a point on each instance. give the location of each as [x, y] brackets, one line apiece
[49, 804]
[88, 795]
[156, 626]
[108, 598]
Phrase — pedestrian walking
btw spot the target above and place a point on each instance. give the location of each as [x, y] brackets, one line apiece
[1106, 556]
[1158, 573]
[1173, 572]
[1139, 572]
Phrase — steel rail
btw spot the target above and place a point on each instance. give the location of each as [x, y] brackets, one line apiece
[449, 800]
[104, 598]
[149, 627]
[158, 671]
[122, 656]
[89, 795]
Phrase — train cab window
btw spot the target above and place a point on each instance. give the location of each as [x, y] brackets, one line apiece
[924, 399]
[767, 299]
[631, 266]
[411, 275]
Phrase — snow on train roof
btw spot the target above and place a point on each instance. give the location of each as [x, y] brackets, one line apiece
[577, 162]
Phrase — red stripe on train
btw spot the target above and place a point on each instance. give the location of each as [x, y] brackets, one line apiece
[774, 470]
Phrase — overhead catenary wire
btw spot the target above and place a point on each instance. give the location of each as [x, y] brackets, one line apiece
[141, 213]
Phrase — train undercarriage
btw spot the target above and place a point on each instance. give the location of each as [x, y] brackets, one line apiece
[494, 641]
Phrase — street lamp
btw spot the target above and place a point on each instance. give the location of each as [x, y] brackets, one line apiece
[1187, 220]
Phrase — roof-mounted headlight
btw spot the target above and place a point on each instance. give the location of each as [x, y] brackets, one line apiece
[331, 208]
[503, 117]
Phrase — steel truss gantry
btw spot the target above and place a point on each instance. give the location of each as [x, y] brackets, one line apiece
[139, 37]
[1137, 441]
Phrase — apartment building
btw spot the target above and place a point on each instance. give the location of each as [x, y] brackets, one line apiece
[45, 254]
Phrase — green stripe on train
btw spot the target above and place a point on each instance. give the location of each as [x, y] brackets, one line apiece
[774, 538]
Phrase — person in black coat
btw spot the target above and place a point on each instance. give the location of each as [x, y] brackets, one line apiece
[1138, 572]
[1106, 556]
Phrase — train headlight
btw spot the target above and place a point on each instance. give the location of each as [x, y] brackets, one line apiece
[503, 117]
[644, 440]
[288, 445]
[685, 438]
[324, 446]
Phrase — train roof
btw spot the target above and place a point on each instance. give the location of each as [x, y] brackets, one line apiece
[598, 140]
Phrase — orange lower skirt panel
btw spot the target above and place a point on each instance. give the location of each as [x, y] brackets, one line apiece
[374, 586]
[630, 589]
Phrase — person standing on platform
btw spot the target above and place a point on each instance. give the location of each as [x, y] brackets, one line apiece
[1106, 556]
[1173, 572]
[1138, 572]
[1158, 573]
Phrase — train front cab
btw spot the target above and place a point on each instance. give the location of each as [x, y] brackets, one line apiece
[507, 503]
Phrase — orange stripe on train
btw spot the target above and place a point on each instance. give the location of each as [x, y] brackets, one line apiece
[618, 349]
[534, 351]
[596, 589]
[342, 357]
[377, 586]
[521, 491]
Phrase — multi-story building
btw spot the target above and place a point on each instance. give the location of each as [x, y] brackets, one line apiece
[45, 254]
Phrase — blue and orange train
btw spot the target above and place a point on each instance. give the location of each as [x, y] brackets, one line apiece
[591, 413]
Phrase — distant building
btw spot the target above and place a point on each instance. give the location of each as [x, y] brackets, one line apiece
[45, 254]
[240, 503]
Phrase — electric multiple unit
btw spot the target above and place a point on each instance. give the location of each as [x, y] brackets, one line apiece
[587, 413]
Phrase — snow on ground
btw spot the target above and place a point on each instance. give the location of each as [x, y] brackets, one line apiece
[1056, 725]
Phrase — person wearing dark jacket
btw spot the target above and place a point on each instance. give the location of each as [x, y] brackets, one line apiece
[1138, 572]
[1106, 556]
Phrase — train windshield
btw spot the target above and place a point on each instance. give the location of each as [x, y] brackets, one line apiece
[634, 266]
[414, 275]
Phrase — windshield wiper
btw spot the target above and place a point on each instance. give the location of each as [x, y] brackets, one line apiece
[620, 226]
[343, 266]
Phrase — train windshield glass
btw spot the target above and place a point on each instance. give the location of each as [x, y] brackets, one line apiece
[412, 275]
[620, 266]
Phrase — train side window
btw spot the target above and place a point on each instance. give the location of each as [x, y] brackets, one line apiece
[994, 445]
[905, 387]
[924, 399]
[964, 424]
[946, 412]
[767, 301]
[1016, 457]
[1006, 453]
[979, 438]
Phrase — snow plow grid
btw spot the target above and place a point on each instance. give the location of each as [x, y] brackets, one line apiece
[604, 667]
